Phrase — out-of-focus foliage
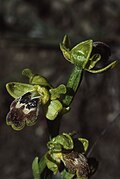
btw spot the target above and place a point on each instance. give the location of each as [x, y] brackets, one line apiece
[29, 23]
[41, 18]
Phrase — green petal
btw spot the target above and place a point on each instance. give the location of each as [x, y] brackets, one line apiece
[16, 89]
[56, 92]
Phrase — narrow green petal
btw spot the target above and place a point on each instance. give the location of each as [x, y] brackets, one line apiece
[110, 66]
[56, 92]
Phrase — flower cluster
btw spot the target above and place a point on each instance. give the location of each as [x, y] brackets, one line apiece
[40, 93]
[67, 155]
[30, 97]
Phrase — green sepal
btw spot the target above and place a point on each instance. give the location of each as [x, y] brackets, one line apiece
[35, 79]
[65, 51]
[16, 89]
[110, 66]
[85, 143]
[66, 175]
[56, 92]
[65, 47]
[51, 164]
[63, 141]
[38, 167]
[66, 42]
[54, 109]
[80, 54]
[35, 168]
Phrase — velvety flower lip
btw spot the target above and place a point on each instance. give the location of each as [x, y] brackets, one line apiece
[76, 163]
[23, 110]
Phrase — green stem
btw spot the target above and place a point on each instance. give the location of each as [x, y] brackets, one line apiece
[72, 85]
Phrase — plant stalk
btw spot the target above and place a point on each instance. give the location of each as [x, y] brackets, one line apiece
[73, 84]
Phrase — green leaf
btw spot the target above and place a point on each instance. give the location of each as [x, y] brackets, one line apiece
[35, 168]
[66, 175]
[63, 141]
[16, 89]
[54, 109]
[80, 54]
[85, 143]
[56, 92]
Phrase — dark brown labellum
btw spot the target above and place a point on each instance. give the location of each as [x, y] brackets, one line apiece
[76, 163]
[23, 110]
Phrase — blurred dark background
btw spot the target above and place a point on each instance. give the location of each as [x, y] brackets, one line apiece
[30, 32]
